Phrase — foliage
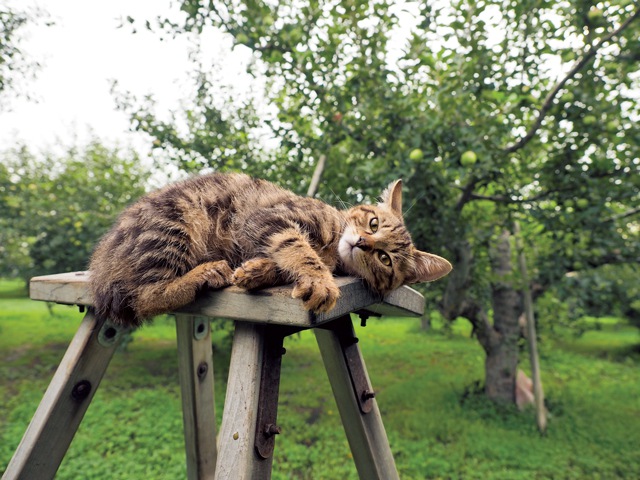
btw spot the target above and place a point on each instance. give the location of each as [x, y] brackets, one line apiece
[603, 291]
[15, 65]
[133, 427]
[53, 209]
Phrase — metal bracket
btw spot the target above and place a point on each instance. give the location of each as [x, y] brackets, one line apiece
[343, 328]
[266, 427]
[364, 316]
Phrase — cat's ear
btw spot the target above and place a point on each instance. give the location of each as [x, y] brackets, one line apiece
[392, 197]
[428, 267]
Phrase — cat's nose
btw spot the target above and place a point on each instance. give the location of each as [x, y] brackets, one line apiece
[362, 243]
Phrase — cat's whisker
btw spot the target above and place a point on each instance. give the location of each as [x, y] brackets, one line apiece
[343, 204]
[413, 204]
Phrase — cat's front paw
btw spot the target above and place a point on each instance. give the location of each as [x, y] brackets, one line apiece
[317, 294]
[256, 273]
[215, 274]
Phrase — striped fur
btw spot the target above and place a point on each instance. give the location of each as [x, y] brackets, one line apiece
[215, 230]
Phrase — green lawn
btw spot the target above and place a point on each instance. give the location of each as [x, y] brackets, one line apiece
[133, 428]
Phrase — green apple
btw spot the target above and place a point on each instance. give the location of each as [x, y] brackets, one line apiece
[468, 158]
[589, 119]
[582, 203]
[242, 38]
[416, 154]
[612, 126]
[567, 97]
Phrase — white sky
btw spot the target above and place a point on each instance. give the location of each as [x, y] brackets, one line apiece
[81, 54]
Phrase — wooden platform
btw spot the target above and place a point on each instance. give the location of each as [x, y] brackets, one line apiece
[245, 443]
[271, 305]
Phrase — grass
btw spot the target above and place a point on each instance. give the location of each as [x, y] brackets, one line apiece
[133, 428]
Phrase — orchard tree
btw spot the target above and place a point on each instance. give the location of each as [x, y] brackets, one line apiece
[54, 208]
[490, 110]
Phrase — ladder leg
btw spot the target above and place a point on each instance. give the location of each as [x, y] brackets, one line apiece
[66, 400]
[248, 428]
[195, 367]
[347, 374]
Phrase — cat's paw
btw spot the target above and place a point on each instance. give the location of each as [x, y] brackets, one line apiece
[215, 274]
[255, 273]
[318, 294]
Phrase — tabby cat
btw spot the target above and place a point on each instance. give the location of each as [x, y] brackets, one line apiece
[216, 230]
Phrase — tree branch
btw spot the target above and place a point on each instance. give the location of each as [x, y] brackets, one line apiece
[548, 101]
[466, 195]
[502, 199]
[620, 216]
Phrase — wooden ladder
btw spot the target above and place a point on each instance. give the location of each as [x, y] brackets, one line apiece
[245, 442]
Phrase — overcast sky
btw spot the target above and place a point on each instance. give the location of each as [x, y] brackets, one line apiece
[81, 54]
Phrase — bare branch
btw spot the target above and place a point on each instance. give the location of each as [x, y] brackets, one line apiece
[317, 173]
[579, 65]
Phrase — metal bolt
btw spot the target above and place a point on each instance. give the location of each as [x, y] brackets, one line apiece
[81, 390]
[202, 370]
[110, 332]
[270, 430]
[368, 394]
[200, 328]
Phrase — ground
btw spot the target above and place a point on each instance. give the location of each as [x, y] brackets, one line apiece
[426, 383]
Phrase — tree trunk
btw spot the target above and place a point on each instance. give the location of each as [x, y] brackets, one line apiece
[502, 356]
[457, 303]
[500, 340]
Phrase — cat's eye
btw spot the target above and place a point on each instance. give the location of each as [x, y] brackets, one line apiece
[384, 259]
[373, 224]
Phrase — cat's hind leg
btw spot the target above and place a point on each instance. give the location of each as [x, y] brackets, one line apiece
[162, 297]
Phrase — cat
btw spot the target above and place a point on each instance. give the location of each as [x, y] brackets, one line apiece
[216, 230]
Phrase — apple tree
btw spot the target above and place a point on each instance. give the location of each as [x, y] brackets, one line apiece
[54, 207]
[490, 110]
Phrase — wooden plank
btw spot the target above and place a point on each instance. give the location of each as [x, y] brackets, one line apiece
[365, 431]
[271, 305]
[67, 288]
[65, 402]
[195, 366]
[237, 458]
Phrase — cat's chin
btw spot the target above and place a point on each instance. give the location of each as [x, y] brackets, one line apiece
[347, 252]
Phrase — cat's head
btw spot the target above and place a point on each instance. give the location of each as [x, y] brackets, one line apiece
[376, 246]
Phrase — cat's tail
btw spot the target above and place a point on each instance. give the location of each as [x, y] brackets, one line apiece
[114, 301]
